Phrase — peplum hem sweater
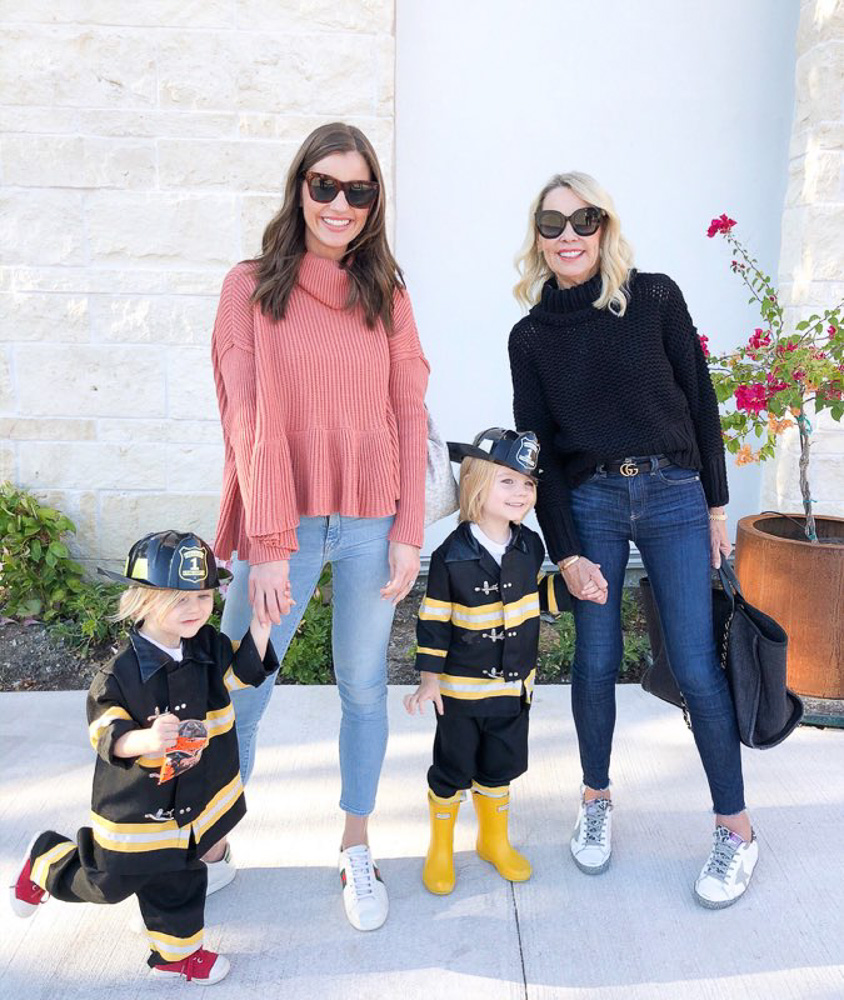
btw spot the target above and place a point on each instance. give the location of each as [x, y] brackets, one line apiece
[596, 387]
[320, 413]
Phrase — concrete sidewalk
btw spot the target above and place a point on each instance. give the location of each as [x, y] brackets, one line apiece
[633, 933]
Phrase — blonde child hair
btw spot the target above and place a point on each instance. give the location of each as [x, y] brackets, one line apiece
[476, 479]
[137, 603]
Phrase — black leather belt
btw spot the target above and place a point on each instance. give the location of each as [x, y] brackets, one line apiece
[633, 466]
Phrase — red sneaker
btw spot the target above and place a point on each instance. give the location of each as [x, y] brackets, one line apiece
[25, 895]
[202, 967]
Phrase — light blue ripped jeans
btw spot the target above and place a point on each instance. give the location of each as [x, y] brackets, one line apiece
[357, 549]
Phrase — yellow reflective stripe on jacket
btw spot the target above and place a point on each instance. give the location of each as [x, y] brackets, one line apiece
[475, 688]
[520, 611]
[479, 617]
[109, 715]
[232, 681]
[172, 948]
[219, 721]
[41, 866]
[432, 610]
[428, 651]
[134, 838]
[551, 593]
[218, 806]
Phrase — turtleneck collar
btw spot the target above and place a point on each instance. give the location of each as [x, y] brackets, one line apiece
[324, 279]
[567, 300]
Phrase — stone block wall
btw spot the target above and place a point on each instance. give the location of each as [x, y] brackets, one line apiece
[143, 148]
[811, 270]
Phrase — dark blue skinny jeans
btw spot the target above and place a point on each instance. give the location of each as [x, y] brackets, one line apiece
[665, 513]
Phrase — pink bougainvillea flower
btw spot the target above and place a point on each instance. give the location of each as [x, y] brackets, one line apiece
[723, 224]
[831, 331]
[760, 338]
[752, 398]
[704, 343]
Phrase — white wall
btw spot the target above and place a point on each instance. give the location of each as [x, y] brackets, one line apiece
[682, 111]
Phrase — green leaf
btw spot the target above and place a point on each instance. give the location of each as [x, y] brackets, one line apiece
[35, 549]
[59, 549]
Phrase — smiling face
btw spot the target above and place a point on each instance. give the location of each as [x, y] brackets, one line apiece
[572, 259]
[331, 227]
[510, 497]
[180, 620]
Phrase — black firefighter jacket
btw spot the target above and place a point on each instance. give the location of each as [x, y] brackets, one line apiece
[478, 625]
[139, 825]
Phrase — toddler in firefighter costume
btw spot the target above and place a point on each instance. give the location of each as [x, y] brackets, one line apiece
[477, 643]
[154, 813]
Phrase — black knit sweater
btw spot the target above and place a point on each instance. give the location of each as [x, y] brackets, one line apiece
[597, 387]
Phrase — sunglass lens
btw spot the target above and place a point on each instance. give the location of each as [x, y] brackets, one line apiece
[549, 223]
[585, 221]
[322, 188]
[361, 194]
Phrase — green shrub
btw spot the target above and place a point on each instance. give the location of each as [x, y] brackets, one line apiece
[555, 665]
[37, 575]
[86, 622]
[309, 659]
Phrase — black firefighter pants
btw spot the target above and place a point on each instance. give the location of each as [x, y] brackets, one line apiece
[172, 902]
[490, 749]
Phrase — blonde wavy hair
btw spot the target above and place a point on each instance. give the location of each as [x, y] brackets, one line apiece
[138, 603]
[476, 479]
[616, 254]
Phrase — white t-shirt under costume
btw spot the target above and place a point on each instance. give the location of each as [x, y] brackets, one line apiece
[495, 549]
[175, 653]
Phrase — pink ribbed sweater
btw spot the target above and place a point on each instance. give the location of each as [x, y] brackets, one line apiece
[320, 414]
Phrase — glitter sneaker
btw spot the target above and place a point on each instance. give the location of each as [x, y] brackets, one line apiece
[591, 842]
[728, 869]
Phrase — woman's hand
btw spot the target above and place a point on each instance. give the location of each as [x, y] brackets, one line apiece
[720, 545]
[585, 580]
[269, 590]
[428, 690]
[404, 568]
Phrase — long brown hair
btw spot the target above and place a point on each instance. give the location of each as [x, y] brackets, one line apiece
[373, 272]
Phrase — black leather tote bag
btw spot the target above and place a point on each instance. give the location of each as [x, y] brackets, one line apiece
[753, 650]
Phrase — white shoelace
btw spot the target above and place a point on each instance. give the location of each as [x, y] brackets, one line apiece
[363, 873]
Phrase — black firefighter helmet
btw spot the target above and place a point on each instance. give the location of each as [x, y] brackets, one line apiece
[519, 452]
[171, 560]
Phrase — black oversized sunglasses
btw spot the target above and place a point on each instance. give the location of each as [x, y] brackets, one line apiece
[324, 189]
[585, 221]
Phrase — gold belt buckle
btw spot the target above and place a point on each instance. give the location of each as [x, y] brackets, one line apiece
[628, 468]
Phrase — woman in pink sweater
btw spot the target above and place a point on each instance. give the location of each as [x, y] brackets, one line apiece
[321, 382]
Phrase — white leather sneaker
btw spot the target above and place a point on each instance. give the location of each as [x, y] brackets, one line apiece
[364, 894]
[221, 872]
[591, 842]
[728, 869]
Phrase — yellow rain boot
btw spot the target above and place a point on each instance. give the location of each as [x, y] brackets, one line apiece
[492, 806]
[438, 873]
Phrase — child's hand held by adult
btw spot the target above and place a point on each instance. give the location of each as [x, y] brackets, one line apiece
[269, 590]
[584, 580]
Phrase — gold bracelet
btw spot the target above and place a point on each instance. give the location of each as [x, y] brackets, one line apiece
[717, 517]
[569, 561]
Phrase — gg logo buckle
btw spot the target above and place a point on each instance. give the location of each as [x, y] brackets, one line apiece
[629, 469]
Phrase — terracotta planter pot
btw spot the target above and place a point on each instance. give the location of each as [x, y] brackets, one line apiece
[800, 585]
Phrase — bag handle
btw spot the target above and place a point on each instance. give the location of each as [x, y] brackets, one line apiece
[729, 580]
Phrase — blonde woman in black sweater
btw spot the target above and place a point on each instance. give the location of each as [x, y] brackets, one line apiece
[609, 372]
